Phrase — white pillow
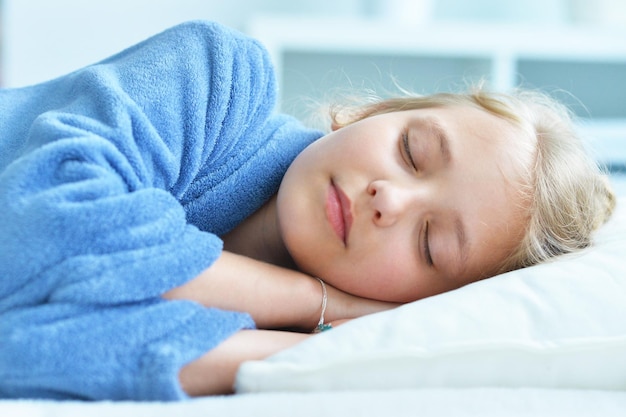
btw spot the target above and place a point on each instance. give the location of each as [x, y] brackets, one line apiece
[556, 325]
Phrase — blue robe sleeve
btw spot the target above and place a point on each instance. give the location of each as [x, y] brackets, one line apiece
[114, 188]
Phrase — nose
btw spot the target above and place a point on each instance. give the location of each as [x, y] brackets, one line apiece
[391, 202]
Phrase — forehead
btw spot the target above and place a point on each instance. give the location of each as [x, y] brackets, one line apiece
[476, 126]
[465, 116]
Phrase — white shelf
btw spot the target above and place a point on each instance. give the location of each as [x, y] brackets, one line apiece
[590, 63]
[440, 38]
[607, 138]
[504, 44]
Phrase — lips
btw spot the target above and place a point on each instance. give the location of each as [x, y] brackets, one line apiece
[338, 212]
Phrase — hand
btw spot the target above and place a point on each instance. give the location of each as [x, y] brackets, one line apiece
[337, 323]
[342, 305]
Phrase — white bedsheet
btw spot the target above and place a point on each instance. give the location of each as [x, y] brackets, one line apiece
[483, 402]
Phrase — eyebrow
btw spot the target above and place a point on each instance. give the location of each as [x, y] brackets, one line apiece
[459, 229]
[442, 138]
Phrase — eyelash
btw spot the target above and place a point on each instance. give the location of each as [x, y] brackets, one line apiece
[429, 259]
[407, 150]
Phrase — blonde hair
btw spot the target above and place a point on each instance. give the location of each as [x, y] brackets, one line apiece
[570, 197]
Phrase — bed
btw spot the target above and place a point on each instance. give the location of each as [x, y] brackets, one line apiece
[448, 402]
[548, 340]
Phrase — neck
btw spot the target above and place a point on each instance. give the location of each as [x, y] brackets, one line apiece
[258, 237]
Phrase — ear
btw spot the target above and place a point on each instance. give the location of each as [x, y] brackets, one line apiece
[335, 126]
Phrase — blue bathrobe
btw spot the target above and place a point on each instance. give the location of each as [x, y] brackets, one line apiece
[116, 182]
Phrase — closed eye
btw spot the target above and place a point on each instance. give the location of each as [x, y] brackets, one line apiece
[407, 149]
[426, 245]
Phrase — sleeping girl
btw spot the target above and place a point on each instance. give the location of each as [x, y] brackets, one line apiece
[161, 224]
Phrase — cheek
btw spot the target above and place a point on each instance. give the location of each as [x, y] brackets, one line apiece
[388, 273]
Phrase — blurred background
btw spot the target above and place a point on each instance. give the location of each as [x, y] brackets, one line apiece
[575, 49]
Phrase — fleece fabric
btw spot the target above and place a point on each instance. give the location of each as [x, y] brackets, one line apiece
[116, 182]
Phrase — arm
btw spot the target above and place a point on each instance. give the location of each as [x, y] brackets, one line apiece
[103, 171]
[222, 363]
[275, 297]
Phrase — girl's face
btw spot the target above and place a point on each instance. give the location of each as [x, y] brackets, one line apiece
[405, 205]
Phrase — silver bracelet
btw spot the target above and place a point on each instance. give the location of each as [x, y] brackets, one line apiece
[321, 326]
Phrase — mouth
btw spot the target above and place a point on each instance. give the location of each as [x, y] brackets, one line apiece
[338, 212]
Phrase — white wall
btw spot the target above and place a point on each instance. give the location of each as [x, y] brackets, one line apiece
[42, 39]
[46, 38]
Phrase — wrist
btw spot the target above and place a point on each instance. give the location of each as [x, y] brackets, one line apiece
[309, 299]
[342, 305]
[321, 324]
